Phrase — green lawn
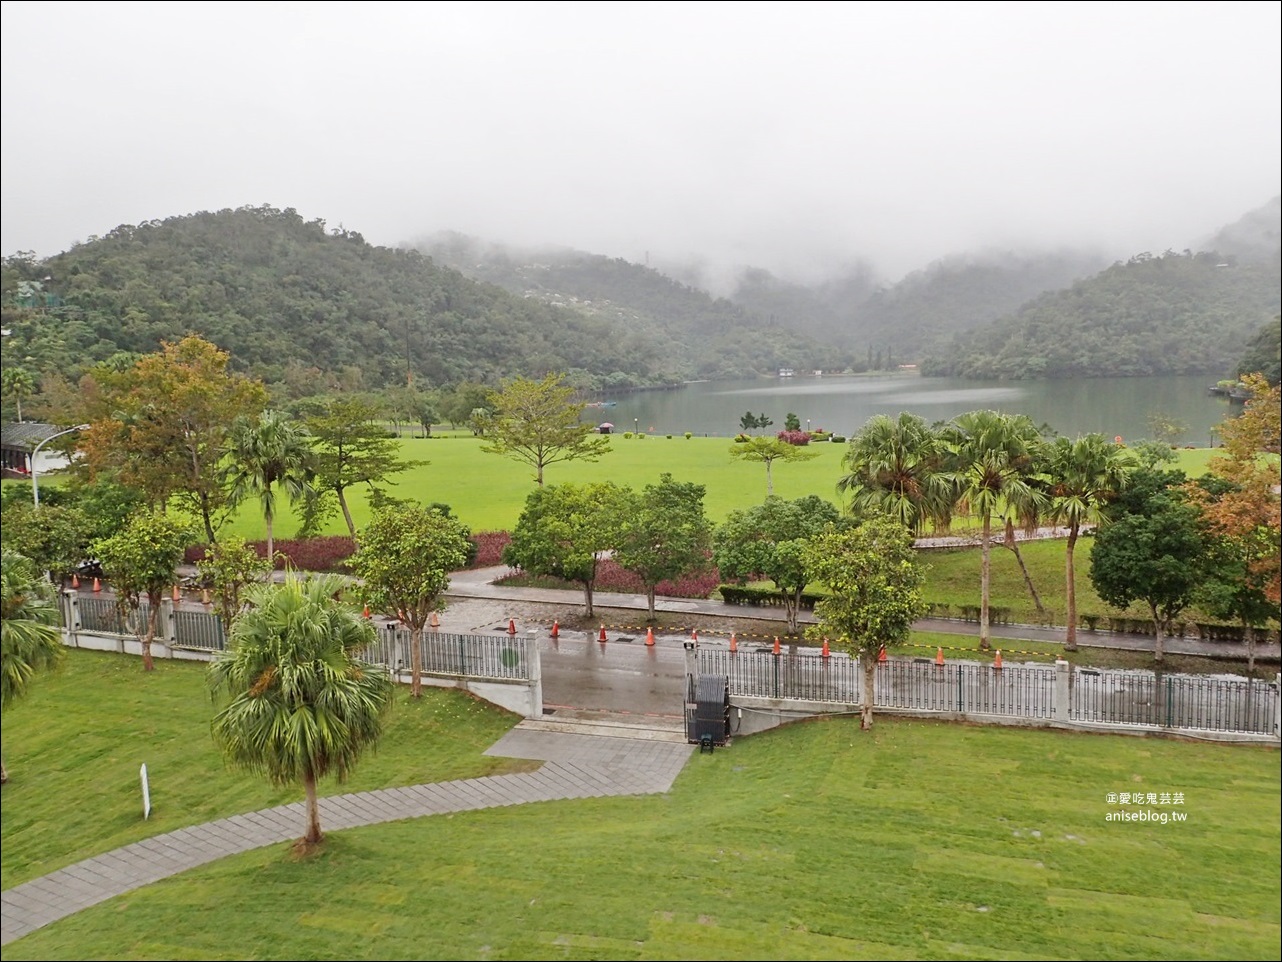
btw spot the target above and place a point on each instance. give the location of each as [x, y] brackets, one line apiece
[918, 840]
[74, 746]
[488, 492]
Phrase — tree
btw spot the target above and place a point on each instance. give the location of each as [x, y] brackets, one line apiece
[30, 640]
[404, 556]
[994, 461]
[17, 383]
[874, 597]
[748, 421]
[767, 541]
[1158, 555]
[141, 559]
[896, 468]
[1084, 477]
[1243, 513]
[161, 424]
[566, 529]
[1166, 428]
[537, 422]
[763, 450]
[267, 455]
[791, 422]
[351, 448]
[54, 537]
[302, 704]
[664, 534]
[229, 567]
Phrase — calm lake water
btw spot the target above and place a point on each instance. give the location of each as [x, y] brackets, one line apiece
[1112, 406]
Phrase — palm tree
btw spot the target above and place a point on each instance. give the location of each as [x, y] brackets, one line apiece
[18, 383]
[267, 455]
[994, 471]
[896, 468]
[30, 640]
[1083, 476]
[303, 705]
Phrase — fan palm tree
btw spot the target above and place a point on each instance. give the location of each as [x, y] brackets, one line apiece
[303, 704]
[897, 468]
[1083, 477]
[30, 641]
[268, 455]
[994, 471]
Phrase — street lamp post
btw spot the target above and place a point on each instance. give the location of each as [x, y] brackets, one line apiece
[35, 485]
[636, 426]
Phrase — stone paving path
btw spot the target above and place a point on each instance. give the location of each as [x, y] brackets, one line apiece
[609, 762]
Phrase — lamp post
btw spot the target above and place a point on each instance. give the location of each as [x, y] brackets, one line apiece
[636, 426]
[35, 485]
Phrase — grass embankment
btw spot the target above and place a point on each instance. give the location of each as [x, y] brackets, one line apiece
[917, 840]
[74, 746]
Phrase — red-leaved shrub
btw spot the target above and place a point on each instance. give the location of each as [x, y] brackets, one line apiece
[489, 548]
[798, 438]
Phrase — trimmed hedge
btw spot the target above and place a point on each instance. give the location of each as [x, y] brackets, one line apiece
[761, 597]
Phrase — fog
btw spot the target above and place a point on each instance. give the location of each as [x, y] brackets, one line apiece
[796, 136]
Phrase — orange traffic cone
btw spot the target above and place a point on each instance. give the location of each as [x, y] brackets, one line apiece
[776, 644]
[97, 585]
[997, 661]
[825, 651]
[881, 655]
[602, 637]
[556, 629]
[939, 657]
[434, 621]
[649, 637]
[511, 626]
[734, 644]
[694, 636]
[204, 596]
[365, 612]
[177, 595]
[75, 580]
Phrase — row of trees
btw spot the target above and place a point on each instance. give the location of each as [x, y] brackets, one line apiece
[1174, 542]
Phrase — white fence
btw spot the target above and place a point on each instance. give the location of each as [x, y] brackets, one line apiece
[1058, 694]
[499, 668]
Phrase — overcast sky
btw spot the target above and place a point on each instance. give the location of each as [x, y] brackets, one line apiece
[794, 136]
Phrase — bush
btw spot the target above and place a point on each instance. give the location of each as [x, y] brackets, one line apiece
[761, 597]
[489, 548]
[741, 439]
[688, 435]
[627, 435]
[669, 437]
[838, 439]
[796, 438]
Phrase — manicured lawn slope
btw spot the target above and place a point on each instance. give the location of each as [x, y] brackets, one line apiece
[918, 840]
[75, 744]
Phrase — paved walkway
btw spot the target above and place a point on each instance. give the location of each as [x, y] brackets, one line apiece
[639, 761]
[478, 583]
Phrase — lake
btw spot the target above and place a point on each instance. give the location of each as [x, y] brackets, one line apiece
[1112, 406]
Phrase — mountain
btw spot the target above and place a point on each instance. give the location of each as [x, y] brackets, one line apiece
[1173, 314]
[695, 333]
[1254, 237]
[960, 293]
[300, 304]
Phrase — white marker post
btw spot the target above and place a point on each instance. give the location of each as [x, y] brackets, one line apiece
[146, 793]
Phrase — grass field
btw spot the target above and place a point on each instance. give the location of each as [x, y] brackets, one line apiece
[917, 840]
[74, 746]
[488, 492]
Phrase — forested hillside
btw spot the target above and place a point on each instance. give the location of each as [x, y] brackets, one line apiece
[700, 335]
[1173, 314]
[280, 293]
[958, 294]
